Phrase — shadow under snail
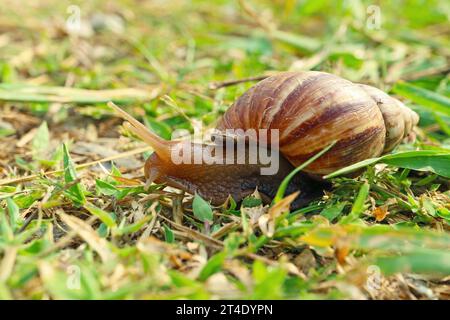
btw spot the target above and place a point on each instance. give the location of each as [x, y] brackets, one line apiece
[310, 110]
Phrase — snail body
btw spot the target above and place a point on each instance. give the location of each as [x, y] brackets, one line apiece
[309, 110]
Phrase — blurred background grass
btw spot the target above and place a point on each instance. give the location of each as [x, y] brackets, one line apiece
[181, 47]
[171, 61]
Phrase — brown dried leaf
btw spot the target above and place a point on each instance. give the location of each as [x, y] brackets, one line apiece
[341, 254]
[380, 213]
[305, 260]
[267, 221]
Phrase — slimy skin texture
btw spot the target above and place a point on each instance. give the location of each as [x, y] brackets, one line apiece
[216, 182]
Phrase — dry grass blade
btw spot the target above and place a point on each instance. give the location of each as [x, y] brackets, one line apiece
[88, 234]
[195, 234]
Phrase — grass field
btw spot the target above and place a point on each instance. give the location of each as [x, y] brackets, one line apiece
[75, 220]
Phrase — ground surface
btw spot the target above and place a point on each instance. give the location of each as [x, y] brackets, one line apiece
[93, 232]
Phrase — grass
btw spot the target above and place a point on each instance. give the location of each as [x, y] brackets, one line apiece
[76, 221]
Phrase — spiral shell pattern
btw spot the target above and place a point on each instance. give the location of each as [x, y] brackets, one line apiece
[311, 109]
[398, 119]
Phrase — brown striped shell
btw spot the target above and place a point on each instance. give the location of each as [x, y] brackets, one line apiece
[311, 109]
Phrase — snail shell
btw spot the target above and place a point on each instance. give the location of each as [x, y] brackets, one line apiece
[311, 109]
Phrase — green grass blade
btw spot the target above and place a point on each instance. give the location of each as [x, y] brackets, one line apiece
[29, 93]
[75, 192]
[284, 184]
[421, 261]
[300, 42]
[104, 216]
[202, 209]
[358, 205]
[436, 161]
[426, 98]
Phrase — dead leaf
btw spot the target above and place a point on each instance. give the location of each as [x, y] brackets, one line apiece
[380, 213]
[192, 246]
[254, 213]
[341, 254]
[305, 260]
[267, 221]
[220, 285]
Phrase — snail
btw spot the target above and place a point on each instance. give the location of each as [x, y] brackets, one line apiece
[310, 110]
